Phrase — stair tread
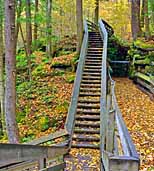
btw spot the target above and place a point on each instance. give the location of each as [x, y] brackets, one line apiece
[78, 145]
[90, 85]
[89, 94]
[87, 117]
[96, 66]
[86, 130]
[90, 89]
[91, 78]
[82, 137]
[89, 101]
[88, 111]
[94, 58]
[87, 124]
[91, 81]
[92, 70]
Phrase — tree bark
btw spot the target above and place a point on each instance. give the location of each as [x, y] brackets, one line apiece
[1, 70]
[19, 10]
[142, 14]
[49, 28]
[135, 18]
[146, 20]
[97, 12]
[10, 61]
[35, 24]
[29, 34]
[79, 19]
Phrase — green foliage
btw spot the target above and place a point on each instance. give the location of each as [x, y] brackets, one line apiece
[58, 73]
[70, 78]
[142, 44]
[117, 48]
[21, 61]
[27, 138]
[44, 122]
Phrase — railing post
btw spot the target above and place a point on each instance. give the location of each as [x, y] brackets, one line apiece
[42, 163]
[110, 119]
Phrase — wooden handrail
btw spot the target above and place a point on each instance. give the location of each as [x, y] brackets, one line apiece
[108, 101]
[15, 153]
[49, 137]
[73, 105]
[103, 109]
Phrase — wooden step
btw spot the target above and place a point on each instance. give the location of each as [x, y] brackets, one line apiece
[91, 78]
[90, 89]
[86, 131]
[92, 70]
[89, 94]
[93, 60]
[93, 64]
[88, 111]
[93, 67]
[85, 125]
[91, 81]
[92, 146]
[88, 101]
[81, 137]
[92, 74]
[88, 117]
[85, 105]
[90, 85]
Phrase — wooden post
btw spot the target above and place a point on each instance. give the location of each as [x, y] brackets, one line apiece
[110, 131]
[42, 163]
[110, 121]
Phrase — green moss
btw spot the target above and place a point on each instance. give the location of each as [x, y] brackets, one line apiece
[70, 78]
[143, 44]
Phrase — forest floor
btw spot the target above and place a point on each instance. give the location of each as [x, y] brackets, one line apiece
[42, 103]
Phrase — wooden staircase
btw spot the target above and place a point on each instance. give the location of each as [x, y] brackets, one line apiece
[87, 119]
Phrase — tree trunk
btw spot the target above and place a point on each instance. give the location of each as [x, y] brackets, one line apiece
[29, 34]
[19, 10]
[146, 20]
[35, 24]
[142, 14]
[10, 61]
[79, 18]
[135, 18]
[49, 28]
[1, 70]
[97, 12]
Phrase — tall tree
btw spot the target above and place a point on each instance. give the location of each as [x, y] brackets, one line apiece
[142, 14]
[135, 18]
[146, 20]
[29, 34]
[1, 68]
[79, 19]
[97, 12]
[10, 61]
[49, 28]
[35, 23]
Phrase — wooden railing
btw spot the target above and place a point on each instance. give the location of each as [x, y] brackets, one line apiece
[103, 109]
[143, 76]
[117, 149]
[147, 83]
[31, 156]
[69, 125]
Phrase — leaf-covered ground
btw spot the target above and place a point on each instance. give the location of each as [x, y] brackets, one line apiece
[83, 160]
[42, 103]
[138, 113]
